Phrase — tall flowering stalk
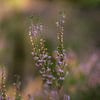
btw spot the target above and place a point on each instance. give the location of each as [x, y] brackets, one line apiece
[3, 86]
[40, 55]
[60, 52]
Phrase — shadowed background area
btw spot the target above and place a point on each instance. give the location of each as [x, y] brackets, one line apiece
[81, 40]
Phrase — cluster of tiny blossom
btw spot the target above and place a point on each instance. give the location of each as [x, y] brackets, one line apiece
[60, 52]
[51, 73]
[60, 67]
[40, 55]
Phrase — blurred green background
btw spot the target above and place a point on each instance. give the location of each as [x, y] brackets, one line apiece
[81, 39]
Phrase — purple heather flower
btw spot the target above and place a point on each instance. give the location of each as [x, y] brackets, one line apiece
[60, 70]
[40, 61]
[48, 69]
[60, 63]
[50, 76]
[49, 57]
[61, 78]
[66, 97]
[45, 56]
[37, 65]
[49, 82]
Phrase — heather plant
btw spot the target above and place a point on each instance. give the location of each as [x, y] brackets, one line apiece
[3, 88]
[3, 95]
[52, 70]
